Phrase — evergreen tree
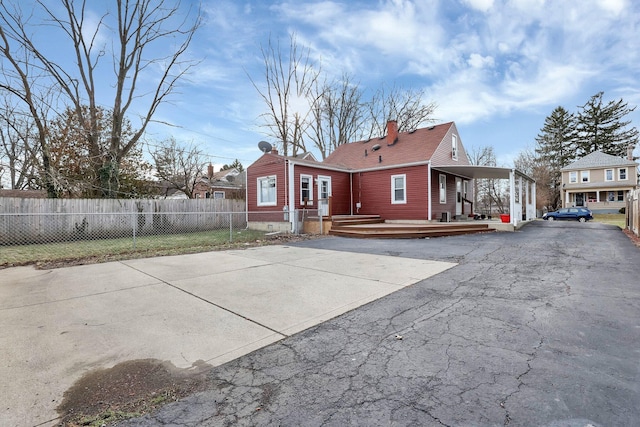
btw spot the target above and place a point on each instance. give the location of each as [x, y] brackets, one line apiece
[601, 127]
[556, 142]
[556, 148]
[236, 164]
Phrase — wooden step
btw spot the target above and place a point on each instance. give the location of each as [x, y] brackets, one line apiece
[408, 230]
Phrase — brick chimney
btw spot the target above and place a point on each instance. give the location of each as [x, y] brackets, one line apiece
[210, 171]
[392, 132]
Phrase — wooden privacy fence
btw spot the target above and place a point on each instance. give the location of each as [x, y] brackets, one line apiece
[24, 221]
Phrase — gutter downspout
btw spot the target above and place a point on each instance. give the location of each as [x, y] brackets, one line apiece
[246, 199]
[291, 196]
[351, 193]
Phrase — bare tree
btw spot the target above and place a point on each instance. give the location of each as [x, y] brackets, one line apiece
[138, 28]
[18, 165]
[179, 167]
[406, 106]
[337, 114]
[482, 188]
[288, 80]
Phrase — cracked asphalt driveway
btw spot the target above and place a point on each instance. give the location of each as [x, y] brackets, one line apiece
[540, 327]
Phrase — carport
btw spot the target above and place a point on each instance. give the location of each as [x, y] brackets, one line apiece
[522, 188]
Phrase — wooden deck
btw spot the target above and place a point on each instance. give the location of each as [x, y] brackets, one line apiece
[372, 226]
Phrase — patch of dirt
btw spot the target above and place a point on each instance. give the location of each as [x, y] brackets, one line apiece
[635, 239]
[129, 389]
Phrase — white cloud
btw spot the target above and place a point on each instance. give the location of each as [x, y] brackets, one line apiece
[481, 5]
[478, 61]
[613, 6]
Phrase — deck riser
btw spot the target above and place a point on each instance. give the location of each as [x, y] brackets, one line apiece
[406, 235]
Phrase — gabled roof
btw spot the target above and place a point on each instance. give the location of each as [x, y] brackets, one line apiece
[409, 147]
[598, 159]
[307, 155]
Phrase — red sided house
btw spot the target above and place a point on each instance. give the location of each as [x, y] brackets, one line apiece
[400, 176]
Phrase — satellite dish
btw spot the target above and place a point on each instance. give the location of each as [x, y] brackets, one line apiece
[264, 146]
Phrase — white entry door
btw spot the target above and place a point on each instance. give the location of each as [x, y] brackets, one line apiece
[458, 196]
[324, 191]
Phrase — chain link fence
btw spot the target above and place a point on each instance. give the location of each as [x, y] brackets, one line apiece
[55, 230]
[28, 229]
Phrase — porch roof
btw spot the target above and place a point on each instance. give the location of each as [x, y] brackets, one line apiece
[471, 171]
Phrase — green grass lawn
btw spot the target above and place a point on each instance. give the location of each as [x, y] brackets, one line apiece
[613, 219]
[124, 248]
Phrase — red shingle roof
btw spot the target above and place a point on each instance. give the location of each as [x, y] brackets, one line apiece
[410, 147]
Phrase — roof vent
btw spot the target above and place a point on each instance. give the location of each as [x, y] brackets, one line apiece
[413, 130]
[375, 147]
[431, 127]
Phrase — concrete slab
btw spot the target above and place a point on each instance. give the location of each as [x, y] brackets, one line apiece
[21, 286]
[57, 325]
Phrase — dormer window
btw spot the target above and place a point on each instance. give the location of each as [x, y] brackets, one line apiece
[454, 147]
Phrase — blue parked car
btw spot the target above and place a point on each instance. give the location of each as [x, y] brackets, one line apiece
[579, 214]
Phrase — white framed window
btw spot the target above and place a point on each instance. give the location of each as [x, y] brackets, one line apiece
[584, 176]
[611, 196]
[622, 174]
[443, 188]
[398, 189]
[218, 194]
[454, 146]
[608, 174]
[306, 189]
[267, 191]
[573, 177]
[620, 196]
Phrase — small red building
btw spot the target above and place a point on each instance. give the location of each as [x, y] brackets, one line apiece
[399, 176]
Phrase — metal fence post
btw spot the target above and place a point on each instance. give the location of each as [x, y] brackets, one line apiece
[230, 227]
[134, 225]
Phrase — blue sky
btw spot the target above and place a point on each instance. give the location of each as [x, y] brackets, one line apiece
[497, 68]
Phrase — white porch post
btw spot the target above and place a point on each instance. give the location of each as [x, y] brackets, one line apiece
[429, 212]
[534, 200]
[512, 196]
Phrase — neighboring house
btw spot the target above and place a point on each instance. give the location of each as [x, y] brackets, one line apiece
[421, 175]
[599, 181]
[167, 190]
[226, 184]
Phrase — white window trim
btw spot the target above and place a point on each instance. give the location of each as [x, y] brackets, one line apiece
[454, 146]
[259, 187]
[393, 189]
[588, 176]
[572, 175]
[626, 174]
[310, 178]
[605, 175]
[442, 191]
[218, 192]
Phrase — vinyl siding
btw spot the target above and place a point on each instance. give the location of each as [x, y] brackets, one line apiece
[450, 205]
[373, 191]
[340, 194]
[267, 165]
